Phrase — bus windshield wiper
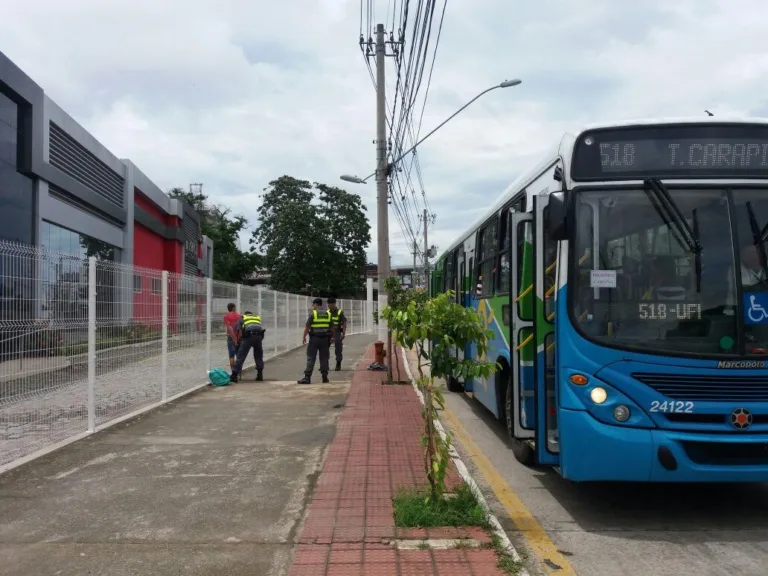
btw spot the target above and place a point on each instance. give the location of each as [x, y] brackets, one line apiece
[690, 237]
[697, 256]
[758, 237]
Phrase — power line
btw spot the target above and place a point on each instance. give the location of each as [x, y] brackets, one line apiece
[401, 109]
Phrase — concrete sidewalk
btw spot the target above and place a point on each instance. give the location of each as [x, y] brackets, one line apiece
[215, 483]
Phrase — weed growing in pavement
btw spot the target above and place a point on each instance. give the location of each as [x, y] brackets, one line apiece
[505, 560]
[418, 322]
[414, 509]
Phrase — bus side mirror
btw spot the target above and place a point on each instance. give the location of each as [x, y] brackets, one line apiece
[556, 216]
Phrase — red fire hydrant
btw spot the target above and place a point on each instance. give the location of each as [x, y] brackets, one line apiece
[379, 352]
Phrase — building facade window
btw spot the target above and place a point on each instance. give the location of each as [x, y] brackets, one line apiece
[64, 275]
[16, 190]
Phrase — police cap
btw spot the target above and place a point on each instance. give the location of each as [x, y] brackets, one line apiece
[318, 301]
[331, 300]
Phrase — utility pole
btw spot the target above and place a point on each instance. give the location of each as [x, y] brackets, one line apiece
[426, 250]
[415, 273]
[381, 173]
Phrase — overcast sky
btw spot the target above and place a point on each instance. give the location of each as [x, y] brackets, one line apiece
[235, 93]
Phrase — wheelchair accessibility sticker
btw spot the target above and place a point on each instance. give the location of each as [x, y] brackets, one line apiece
[756, 308]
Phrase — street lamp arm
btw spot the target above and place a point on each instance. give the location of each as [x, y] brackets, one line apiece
[443, 123]
[505, 84]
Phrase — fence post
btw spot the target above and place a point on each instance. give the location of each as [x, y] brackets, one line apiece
[239, 300]
[288, 320]
[164, 335]
[208, 306]
[274, 299]
[369, 304]
[92, 344]
[298, 316]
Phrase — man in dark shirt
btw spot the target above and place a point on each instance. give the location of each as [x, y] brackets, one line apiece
[339, 321]
[320, 330]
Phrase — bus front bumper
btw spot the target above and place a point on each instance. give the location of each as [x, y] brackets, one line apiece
[593, 451]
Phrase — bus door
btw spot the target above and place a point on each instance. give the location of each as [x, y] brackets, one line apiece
[545, 286]
[522, 405]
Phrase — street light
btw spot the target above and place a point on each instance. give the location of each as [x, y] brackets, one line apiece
[358, 180]
[353, 179]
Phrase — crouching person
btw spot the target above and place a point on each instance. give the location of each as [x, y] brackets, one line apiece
[251, 336]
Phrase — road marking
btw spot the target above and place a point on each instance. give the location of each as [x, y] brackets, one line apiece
[536, 538]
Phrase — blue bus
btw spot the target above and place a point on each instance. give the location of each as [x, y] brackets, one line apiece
[625, 279]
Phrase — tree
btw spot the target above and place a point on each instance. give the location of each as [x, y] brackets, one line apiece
[448, 326]
[349, 235]
[314, 237]
[230, 264]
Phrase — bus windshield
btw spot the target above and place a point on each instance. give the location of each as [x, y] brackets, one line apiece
[665, 280]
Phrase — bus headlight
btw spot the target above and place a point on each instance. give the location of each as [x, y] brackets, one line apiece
[598, 395]
[621, 413]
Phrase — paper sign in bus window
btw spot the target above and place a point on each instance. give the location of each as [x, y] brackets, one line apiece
[602, 278]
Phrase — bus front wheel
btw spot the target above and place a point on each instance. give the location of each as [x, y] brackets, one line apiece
[523, 452]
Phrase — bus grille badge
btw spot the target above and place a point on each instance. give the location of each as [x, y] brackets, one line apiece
[741, 418]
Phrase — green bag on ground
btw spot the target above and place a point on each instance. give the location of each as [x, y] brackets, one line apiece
[218, 377]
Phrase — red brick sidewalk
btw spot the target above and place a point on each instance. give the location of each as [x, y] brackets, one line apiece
[377, 451]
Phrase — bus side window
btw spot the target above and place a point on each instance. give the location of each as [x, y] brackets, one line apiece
[471, 279]
[502, 266]
[448, 271]
[487, 258]
[550, 271]
[524, 272]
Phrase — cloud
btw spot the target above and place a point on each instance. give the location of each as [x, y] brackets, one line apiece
[234, 94]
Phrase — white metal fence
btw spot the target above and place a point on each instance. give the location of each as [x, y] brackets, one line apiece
[86, 342]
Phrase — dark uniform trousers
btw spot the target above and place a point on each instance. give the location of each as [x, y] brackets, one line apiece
[319, 343]
[250, 340]
[338, 344]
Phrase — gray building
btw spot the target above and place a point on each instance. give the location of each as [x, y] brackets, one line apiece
[62, 189]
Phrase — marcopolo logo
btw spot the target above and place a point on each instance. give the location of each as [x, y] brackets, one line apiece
[741, 364]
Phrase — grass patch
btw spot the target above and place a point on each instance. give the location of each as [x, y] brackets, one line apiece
[415, 510]
[506, 562]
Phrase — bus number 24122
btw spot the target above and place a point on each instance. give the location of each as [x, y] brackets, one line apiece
[672, 406]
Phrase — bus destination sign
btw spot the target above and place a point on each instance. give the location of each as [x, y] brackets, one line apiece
[730, 151]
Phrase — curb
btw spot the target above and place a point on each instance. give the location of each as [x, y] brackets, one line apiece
[467, 477]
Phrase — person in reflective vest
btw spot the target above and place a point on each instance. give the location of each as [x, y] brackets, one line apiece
[251, 336]
[320, 330]
[339, 322]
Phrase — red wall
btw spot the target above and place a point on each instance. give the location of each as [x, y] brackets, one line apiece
[140, 200]
[155, 252]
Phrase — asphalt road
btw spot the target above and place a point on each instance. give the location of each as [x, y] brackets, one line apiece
[611, 529]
